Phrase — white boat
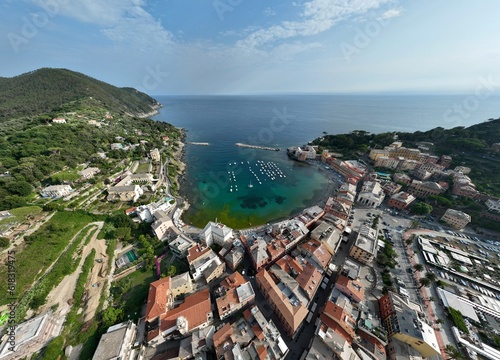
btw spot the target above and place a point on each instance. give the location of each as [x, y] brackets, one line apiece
[250, 185]
[231, 189]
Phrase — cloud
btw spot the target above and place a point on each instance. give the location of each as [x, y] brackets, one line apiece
[119, 20]
[269, 12]
[317, 17]
[391, 13]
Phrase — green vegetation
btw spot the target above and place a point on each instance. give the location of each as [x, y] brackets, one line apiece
[4, 242]
[21, 214]
[421, 208]
[142, 168]
[491, 339]
[53, 350]
[458, 320]
[42, 249]
[46, 90]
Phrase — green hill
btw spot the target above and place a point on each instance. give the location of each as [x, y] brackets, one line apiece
[46, 90]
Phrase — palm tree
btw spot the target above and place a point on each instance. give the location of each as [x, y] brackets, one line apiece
[424, 282]
[453, 353]
[431, 276]
[419, 267]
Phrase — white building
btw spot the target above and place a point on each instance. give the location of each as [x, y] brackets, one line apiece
[56, 191]
[89, 173]
[216, 233]
[124, 193]
[161, 225]
[117, 342]
[493, 205]
[155, 155]
[456, 219]
[59, 120]
[371, 194]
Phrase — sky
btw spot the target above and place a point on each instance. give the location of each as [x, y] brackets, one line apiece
[171, 47]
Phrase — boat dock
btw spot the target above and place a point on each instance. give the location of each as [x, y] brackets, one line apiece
[257, 147]
[198, 143]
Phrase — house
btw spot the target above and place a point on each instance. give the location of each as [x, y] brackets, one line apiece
[181, 245]
[117, 146]
[456, 219]
[233, 294]
[401, 200]
[164, 320]
[117, 342]
[59, 121]
[371, 194]
[425, 189]
[155, 155]
[339, 315]
[329, 344]
[204, 263]
[337, 208]
[56, 191]
[234, 257]
[364, 248]
[317, 252]
[162, 225]
[329, 235]
[493, 205]
[89, 173]
[350, 287]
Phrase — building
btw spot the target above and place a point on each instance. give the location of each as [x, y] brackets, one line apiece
[233, 293]
[328, 344]
[351, 288]
[162, 224]
[205, 264]
[124, 193]
[364, 248]
[56, 191]
[164, 320]
[340, 315]
[401, 200]
[401, 178]
[316, 253]
[456, 219]
[329, 235]
[493, 205]
[289, 310]
[463, 186]
[337, 208]
[302, 153]
[234, 257]
[346, 194]
[351, 170]
[390, 188]
[403, 321]
[445, 161]
[155, 155]
[371, 194]
[59, 121]
[425, 189]
[181, 245]
[462, 169]
[89, 173]
[117, 342]
[216, 233]
[117, 146]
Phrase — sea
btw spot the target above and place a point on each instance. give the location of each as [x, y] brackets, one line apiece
[245, 187]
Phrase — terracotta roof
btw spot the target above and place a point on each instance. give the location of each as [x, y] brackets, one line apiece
[292, 315]
[353, 286]
[262, 352]
[258, 332]
[309, 279]
[194, 308]
[196, 251]
[233, 281]
[222, 334]
[333, 316]
[288, 263]
[157, 298]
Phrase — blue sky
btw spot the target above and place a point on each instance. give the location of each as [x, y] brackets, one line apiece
[253, 46]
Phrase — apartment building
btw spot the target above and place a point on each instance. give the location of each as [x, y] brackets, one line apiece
[364, 248]
[425, 189]
[401, 200]
[456, 219]
[56, 191]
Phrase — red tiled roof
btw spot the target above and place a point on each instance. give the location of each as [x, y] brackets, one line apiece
[222, 334]
[262, 352]
[195, 252]
[194, 308]
[157, 298]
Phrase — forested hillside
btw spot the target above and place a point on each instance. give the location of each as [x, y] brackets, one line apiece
[46, 90]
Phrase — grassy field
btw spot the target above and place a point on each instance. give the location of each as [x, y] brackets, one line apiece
[142, 168]
[20, 214]
[137, 294]
[43, 248]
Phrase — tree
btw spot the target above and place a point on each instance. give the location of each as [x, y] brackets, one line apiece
[424, 282]
[21, 188]
[454, 353]
[409, 241]
[418, 267]
[172, 270]
[431, 276]
[421, 208]
[111, 316]
[4, 242]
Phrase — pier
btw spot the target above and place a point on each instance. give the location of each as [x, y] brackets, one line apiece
[257, 147]
[198, 143]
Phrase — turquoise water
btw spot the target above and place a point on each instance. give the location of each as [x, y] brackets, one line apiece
[282, 121]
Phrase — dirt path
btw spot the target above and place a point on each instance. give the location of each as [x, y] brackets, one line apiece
[64, 291]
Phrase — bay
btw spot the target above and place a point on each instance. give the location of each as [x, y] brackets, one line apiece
[282, 121]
